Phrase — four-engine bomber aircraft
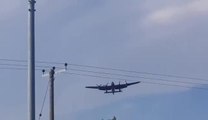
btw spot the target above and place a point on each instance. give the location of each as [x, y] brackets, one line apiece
[112, 88]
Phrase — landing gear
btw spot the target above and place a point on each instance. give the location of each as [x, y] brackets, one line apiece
[119, 90]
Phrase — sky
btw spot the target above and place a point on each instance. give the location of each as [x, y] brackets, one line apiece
[162, 36]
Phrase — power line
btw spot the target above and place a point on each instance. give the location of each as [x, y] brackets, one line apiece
[12, 60]
[24, 65]
[12, 68]
[17, 68]
[112, 69]
[21, 65]
[106, 73]
[17, 65]
[123, 75]
[130, 76]
[23, 61]
[157, 83]
[123, 79]
[138, 72]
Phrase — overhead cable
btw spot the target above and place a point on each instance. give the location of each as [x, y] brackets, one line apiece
[23, 61]
[138, 72]
[130, 76]
[113, 69]
[122, 79]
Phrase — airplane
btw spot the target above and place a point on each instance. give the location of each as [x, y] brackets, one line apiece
[112, 88]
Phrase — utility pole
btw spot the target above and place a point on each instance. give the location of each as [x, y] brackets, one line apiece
[51, 93]
[51, 75]
[31, 60]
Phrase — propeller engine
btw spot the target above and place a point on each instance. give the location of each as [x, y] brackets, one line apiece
[119, 85]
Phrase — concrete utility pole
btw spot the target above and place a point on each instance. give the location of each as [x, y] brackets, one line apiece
[31, 60]
[51, 75]
[51, 93]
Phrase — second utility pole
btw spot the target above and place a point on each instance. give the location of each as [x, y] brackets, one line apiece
[51, 93]
[51, 89]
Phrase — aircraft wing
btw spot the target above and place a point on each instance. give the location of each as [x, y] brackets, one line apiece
[120, 86]
[128, 84]
[104, 87]
[92, 87]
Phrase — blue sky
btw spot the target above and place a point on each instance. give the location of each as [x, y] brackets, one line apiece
[163, 36]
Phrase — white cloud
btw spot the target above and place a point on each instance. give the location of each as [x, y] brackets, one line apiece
[173, 13]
